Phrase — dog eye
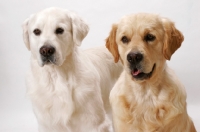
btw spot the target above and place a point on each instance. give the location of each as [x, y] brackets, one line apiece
[125, 39]
[37, 31]
[59, 31]
[149, 37]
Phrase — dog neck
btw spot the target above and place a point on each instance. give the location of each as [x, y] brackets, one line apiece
[53, 73]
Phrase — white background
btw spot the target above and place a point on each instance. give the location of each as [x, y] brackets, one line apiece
[15, 109]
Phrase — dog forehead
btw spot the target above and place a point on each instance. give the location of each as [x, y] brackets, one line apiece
[50, 16]
[140, 21]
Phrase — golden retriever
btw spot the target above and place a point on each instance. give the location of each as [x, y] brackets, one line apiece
[148, 96]
[69, 88]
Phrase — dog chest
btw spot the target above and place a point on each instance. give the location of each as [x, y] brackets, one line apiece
[146, 109]
[51, 97]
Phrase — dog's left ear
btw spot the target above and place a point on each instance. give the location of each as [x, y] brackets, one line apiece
[172, 39]
[79, 28]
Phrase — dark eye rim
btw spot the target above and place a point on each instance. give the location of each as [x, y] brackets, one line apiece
[125, 40]
[37, 31]
[59, 30]
[149, 37]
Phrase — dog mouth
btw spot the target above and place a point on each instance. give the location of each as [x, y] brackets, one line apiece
[138, 74]
[48, 60]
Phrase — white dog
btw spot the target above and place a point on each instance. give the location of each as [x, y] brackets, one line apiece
[68, 87]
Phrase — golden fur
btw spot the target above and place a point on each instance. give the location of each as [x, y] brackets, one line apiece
[156, 103]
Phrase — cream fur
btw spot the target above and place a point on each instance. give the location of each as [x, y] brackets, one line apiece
[70, 94]
[155, 104]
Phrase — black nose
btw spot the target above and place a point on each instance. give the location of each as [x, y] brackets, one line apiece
[47, 50]
[134, 57]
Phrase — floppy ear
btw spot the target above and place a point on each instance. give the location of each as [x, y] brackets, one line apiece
[111, 43]
[79, 28]
[25, 33]
[172, 39]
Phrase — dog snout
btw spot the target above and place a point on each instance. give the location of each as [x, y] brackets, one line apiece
[134, 57]
[47, 50]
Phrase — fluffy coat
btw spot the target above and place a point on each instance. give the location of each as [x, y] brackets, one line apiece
[69, 91]
[148, 97]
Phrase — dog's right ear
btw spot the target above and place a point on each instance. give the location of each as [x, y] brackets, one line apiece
[25, 33]
[111, 43]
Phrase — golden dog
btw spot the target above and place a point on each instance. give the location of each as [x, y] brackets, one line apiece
[148, 96]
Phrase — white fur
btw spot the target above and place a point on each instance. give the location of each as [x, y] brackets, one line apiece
[71, 94]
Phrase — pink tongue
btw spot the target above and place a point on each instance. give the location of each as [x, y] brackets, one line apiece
[135, 72]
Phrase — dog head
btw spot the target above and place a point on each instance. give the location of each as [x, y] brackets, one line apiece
[143, 42]
[52, 34]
